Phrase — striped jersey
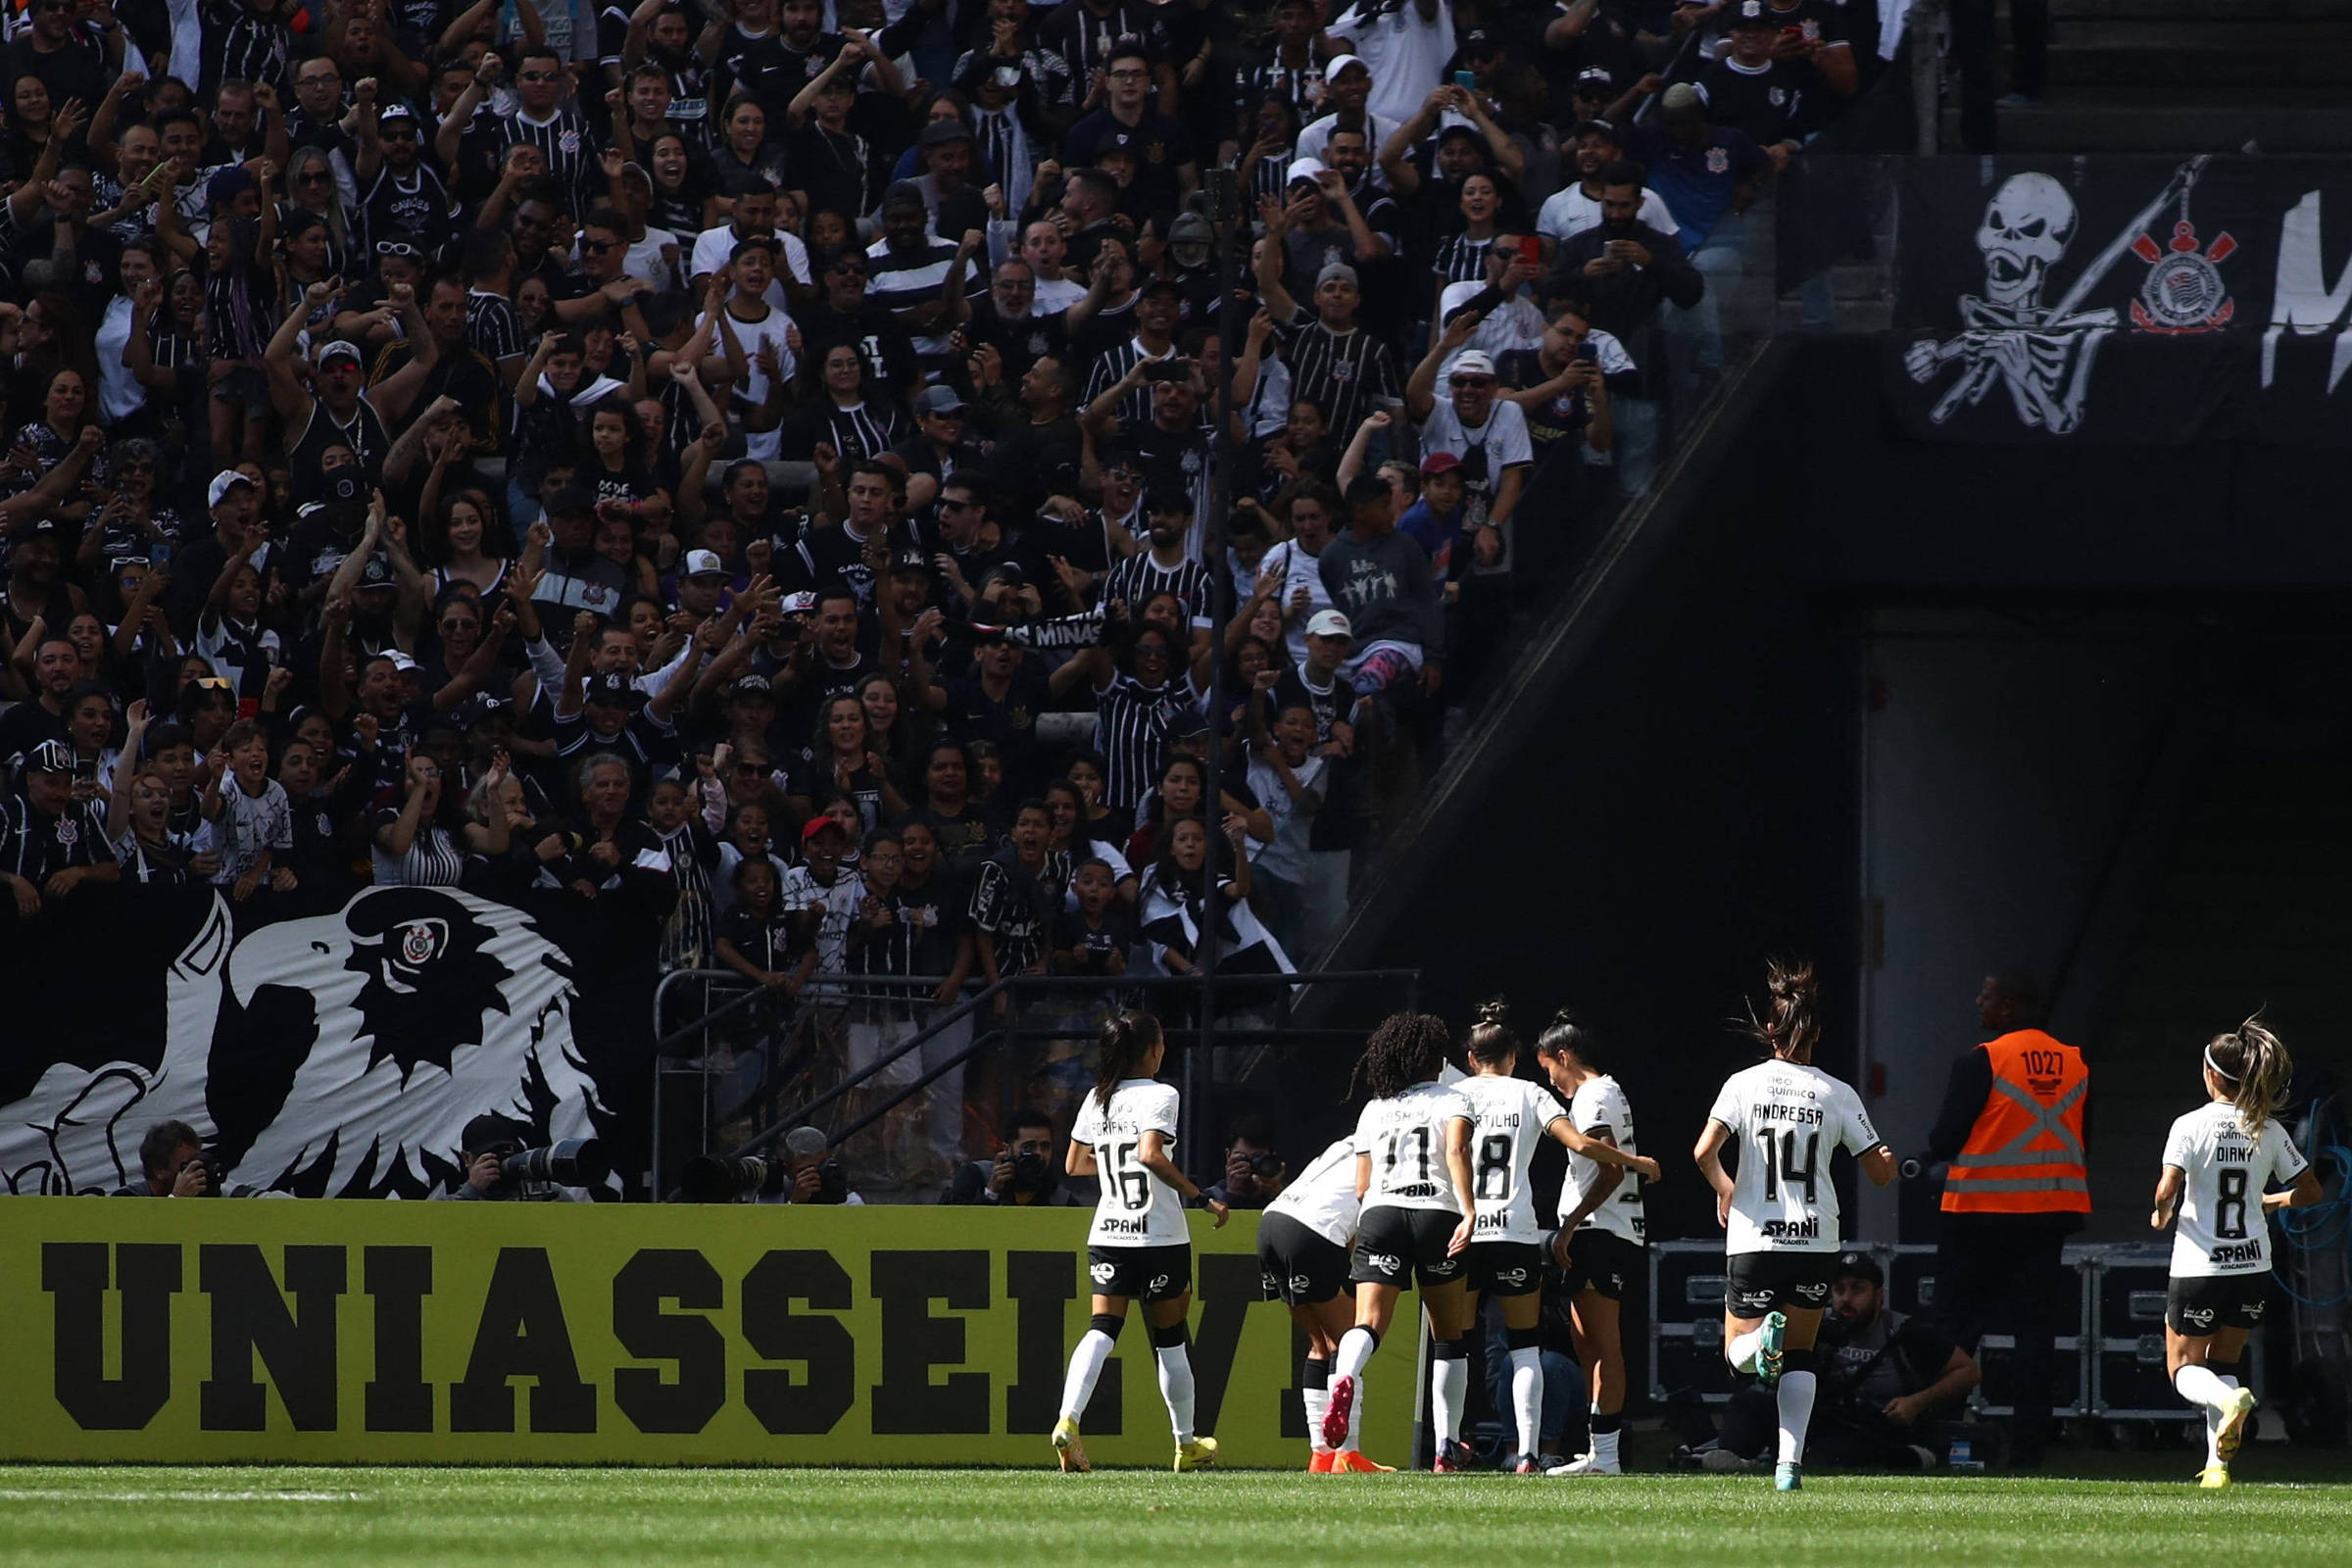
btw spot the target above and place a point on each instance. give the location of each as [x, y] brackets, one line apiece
[1342, 374]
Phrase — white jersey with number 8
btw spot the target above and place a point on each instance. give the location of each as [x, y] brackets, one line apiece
[1786, 1119]
[1509, 1120]
[1137, 1208]
[1405, 1136]
[2221, 1229]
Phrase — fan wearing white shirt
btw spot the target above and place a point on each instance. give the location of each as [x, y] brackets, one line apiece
[1573, 209]
[1785, 1118]
[2221, 1161]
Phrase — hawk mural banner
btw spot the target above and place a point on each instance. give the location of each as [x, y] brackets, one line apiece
[335, 1054]
[2135, 301]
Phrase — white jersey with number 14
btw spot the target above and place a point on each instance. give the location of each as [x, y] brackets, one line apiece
[1786, 1119]
[1137, 1208]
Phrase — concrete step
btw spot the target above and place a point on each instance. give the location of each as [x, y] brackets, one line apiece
[2174, 121]
[2066, 13]
[2282, 54]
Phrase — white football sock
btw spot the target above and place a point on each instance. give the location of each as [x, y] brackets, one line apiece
[2213, 1438]
[1741, 1350]
[1086, 1365]
[1316, 1402]
[1794, 1395]
[1448, 1388]
[1176, 1387]
[2199, 1386]
[1604, 1447]
[1527, 1398]
[1355, 1349]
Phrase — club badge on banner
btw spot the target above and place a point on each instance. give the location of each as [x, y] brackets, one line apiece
[192, 1331]
[2124, 300]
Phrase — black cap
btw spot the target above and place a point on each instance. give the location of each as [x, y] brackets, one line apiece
[481, 707]
[1859, 1265]
[1163, 285]
[487, 1132]
[910, 560]
[1480, 42]
[50, 757]
[940, 131]
[377, 574]
[1751, 14]
[571, 498]
[904, 193]
[1167, 497]
[1186, 722]
[613, 687]
[1593, 127]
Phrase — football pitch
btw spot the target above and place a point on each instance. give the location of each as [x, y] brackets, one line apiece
[247, 1516]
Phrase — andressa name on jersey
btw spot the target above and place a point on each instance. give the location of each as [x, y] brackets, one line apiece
[1802, 1115]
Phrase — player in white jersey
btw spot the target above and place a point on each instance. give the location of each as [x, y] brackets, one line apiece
[1600, 1237]
[1412, 1172]
[2220, 1163]
[1509, 1118]
[1138, 1245]
[1303, 1241]
[1785, 1117]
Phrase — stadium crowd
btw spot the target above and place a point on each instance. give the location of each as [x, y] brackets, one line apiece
[712, 458]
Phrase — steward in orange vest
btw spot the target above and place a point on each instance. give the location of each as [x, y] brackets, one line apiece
[2023, 1152]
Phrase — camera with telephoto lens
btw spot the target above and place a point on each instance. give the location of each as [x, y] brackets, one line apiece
[729, 1179]
[572, 1162]
[1266, 1166]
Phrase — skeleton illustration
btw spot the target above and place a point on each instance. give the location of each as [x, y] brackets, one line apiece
[2041, 353]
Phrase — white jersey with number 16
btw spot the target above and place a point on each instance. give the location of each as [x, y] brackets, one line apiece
[1786, 1119]
[1137, 1208]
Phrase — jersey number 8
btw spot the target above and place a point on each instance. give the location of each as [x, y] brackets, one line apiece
[1494, 1168]
[2230, 1214]
[1781, 1164]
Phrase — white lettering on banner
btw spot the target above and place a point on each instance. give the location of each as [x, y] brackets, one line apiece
[2305, 302]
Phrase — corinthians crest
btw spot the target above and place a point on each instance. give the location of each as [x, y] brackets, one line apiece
[2041, 353]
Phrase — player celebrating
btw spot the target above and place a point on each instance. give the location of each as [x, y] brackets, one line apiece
[1601, 1236]
[2220, 1161]
[1303, 1241]
[1509, 1116]
[1781, 1216]
[1137, 1244]
[1412, 1171]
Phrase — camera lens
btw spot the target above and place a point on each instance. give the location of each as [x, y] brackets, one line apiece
[1266, 1166]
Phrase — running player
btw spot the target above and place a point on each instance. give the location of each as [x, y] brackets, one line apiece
[1781, 1216]
[1509, 1118]
[2220, 1161]
[1303, 1241]
[1412, 1171]
[1138, 1245]
[1601, 1236]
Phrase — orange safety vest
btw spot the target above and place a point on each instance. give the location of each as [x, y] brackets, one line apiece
[2025, 1154]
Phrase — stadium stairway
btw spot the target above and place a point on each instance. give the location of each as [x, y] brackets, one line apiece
[2185, 76]
[2242, 904]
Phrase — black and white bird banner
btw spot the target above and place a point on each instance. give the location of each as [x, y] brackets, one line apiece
[2124, 299]
[332, 1055]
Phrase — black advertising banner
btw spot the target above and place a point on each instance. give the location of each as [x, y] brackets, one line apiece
[2135, 301]
[333, 1055]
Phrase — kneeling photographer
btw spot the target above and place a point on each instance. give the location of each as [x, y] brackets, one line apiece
[500, 1168]
[1887, 1382]
[804, 1171]
[1026, 1172]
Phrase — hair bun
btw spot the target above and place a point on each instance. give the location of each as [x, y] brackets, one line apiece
[1565, 1018]
[1494, 1014]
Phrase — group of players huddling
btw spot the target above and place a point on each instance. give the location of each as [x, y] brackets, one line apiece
[1434, 1188]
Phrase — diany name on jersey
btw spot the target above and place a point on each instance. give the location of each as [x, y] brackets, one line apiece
[1791, 1230]
[1802, 1115]
[2243, 1252]
[2233, 1154]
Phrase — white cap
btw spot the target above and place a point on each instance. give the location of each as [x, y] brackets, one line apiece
[1473, 362]
[1329, 623]
[1339, 63]
[704, 564]
[224, 482]
[1302, 169]
[401, 661]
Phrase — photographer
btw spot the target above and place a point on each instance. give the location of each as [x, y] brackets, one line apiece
[488, 1142]
[1255, 1174]
[172, 1157]
[811, 1175]
[1885, 1378]
[1026, 1172]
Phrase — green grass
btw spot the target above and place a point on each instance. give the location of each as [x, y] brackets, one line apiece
[52, 1516]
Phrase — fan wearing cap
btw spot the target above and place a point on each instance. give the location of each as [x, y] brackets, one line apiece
[1336, 365]
[1750, 89]
[1576, 207]
[1165, 170]
[1487, 432]
[1427, 175]
[1314, 225]
[936, 450]
[334, 409]
[606, 713]
[1119, 381]
[946, 150]
[908, 265]
[1314, 683]
[50, 843]
[402, 193]
[1347, 92]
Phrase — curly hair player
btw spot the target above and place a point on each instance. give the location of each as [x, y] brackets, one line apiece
[1138, 1245]
[2220, 1161]
[1780, 1217]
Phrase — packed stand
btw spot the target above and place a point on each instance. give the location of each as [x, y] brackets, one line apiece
[751, 465]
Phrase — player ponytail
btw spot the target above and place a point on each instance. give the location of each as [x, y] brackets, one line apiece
[1127, 1039]
[1408, 1047]
[1792, 1019]
[2252, 1063]
[1493, 1042]
[1566, 1036]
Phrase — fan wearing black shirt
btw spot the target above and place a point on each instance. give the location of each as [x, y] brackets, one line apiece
[1003, 323]
[1749, 89]
[1039, 450]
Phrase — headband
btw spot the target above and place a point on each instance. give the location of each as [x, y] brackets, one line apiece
[2215, 1068]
